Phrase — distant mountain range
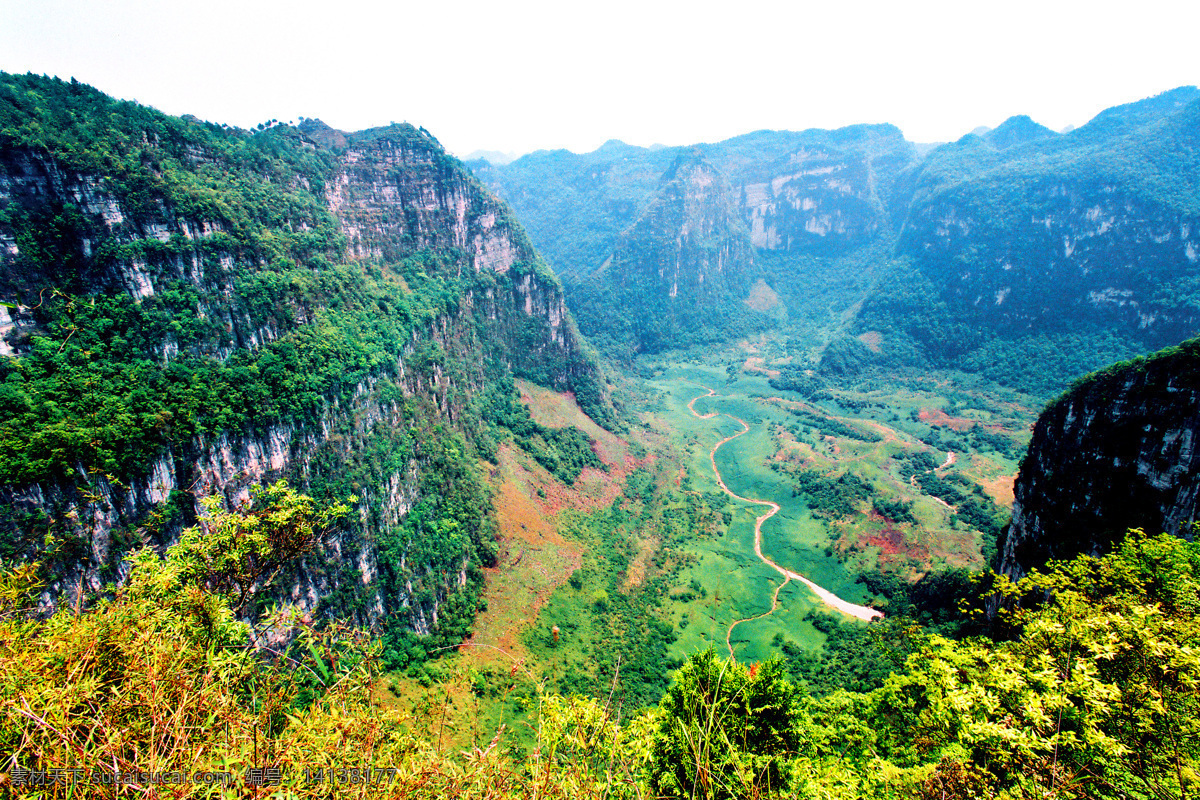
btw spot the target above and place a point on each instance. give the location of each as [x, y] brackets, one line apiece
[968, 254]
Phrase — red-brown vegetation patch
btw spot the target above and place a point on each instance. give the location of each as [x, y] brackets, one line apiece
[594, 488]
[520, 515]
[559, 410]
[891, 539]
[888, 434]
[935, 416]
[1000, 489]
[791, 451]
[533, 559]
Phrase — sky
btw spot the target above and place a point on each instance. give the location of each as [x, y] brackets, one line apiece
[525, 75]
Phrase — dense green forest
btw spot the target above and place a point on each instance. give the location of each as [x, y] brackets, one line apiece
[182, 288]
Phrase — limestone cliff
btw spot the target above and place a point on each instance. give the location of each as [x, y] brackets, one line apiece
[394, 192]
[1118, 450]
[827, 194]
[1025, 230]
[680, 270]
[191, 310]
[813, 192]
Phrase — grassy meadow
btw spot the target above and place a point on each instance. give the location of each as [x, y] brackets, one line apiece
[606, 585]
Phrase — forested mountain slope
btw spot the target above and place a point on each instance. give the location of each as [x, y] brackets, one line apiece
[678, 274]
[1027, 255]
[1024, 231]
[192, 309]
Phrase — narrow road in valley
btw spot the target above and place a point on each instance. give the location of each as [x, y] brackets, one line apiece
[912, 481]
[827, 597]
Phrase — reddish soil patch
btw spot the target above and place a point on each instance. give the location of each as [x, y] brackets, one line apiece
[897, 546]
[935, 416]
[762, 297]
[559, 410]
[534, 558]
[758, 364]
[520, 516]
[889, 434]
[637, 568]
[593, 489]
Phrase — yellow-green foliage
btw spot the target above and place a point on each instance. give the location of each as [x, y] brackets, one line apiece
[161, 677]
[1096, 694]
[234, 555]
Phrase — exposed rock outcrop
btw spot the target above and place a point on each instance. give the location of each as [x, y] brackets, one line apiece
[175, 224]
[826, 195]
[1119, 450]
[682, 267]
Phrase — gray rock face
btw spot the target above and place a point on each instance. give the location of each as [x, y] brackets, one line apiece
[393, 193]
[688, 248]
[1117, 451]
[680, 268]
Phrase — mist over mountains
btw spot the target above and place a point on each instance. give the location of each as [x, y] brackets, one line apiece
[985, 253]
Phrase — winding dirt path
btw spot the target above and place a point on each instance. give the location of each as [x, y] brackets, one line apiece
[912, 480]
[827, 597]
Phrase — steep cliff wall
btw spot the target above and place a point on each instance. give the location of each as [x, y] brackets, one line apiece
[811, 192]
[1025, 230]
[395, 192]
[1118, 450]
[192, 310]
[681, 271]
[825, 196]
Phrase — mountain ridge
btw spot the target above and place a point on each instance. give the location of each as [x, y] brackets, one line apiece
[239, 307]
[1102, 219]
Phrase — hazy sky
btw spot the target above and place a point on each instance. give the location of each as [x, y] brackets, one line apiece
[525, 75]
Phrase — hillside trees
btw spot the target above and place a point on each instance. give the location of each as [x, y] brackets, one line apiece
[725, 730]
[1095, 695]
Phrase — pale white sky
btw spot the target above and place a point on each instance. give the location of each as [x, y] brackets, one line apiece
[532, 74]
